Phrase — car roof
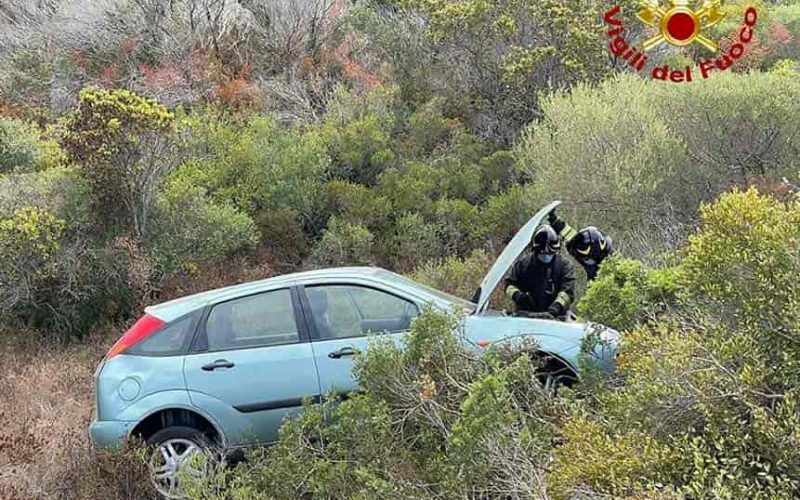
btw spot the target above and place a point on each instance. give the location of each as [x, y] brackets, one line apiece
[167, 311]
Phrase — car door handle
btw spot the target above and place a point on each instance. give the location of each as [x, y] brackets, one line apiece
[344, 351]
[220, 363]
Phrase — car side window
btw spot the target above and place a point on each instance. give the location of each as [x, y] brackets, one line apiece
[169, 340]
[258, 320]
[342, 311]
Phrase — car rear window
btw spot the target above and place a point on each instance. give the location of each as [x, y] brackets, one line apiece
[169, 340]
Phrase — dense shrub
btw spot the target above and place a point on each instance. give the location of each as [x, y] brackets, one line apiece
[713, 384]
[459, 223]
[637, 158]
[191, 229]
[19, 145]
[460, 277]
[29, 242]
[259, 165]
[413, 240]
[358, 134]
[508, 211]
[58, 190]
[344, 243]
[435, 421]
[496, 66]
[125, 146]
[359, 204]
[627, 293]
[55, 283]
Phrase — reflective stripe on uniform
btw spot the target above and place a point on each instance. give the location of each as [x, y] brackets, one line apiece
[511, 290]
[563, 299]
[568, 233]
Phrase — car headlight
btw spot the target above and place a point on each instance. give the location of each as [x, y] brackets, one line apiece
[609, 336]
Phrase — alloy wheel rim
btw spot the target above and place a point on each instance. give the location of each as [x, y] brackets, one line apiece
[170, 458]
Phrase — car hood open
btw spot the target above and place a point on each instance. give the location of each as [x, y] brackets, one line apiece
[507, 258]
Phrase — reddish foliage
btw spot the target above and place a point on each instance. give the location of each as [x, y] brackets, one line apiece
[355, 73]
[166, 76]
[110, 74]
[754, 53]
[128, 44]
[237, 93]
[10, 110]
[767, 186]
[780, 34]
[78, 57]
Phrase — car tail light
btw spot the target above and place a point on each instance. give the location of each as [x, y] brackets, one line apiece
[140, 330]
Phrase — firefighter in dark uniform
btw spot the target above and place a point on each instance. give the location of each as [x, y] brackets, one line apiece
[588, 246]
[542, 281]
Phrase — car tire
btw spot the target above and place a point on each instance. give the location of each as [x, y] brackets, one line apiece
[173, 449]
[552, 372]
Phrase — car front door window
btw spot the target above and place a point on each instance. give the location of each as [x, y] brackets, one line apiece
[344, 311]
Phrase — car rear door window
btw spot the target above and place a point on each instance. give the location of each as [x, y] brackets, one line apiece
[342, 311]
[260, 320]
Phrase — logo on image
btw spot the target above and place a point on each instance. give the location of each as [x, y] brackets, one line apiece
[679, 24]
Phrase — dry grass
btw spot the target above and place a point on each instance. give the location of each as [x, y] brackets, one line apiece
[46, 401]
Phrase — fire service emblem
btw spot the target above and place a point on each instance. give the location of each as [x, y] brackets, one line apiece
[679, 24]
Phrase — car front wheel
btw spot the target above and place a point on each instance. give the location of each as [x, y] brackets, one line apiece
[177, 453]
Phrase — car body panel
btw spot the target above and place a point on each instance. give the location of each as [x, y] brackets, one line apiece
[508, 256]
[111, 433]
[262, 385]
[557, 337]
[336, 374]
[122, 374]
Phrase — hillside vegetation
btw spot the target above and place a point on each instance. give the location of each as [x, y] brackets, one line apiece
[153, 149]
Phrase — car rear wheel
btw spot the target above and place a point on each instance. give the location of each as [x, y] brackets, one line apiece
[179, 452]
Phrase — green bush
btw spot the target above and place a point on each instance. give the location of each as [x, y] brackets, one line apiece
[410, 188]
[359, 204]
[508, 211]
[434, 421]
[19, 145]
[460, 277]
[343, 243]
[59, 191]
[636, 158]
[627, 293]
[713, 382]
[498, 55]
[282, 234]
[191, 229]
[358, 134]
[459, 226]
[124, 146]
[412, 240]
[260, 165]
[52, 282]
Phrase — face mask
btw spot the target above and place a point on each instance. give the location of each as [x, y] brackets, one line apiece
[545, 258]
[590, 262]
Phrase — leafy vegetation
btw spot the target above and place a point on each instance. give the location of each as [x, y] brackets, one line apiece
[150, 150]
[704, 405]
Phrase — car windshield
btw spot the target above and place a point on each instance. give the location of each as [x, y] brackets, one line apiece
[458, 301]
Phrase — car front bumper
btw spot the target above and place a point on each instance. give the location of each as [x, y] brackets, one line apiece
[109, 433]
